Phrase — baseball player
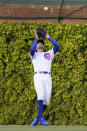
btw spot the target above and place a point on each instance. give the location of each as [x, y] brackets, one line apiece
[42, 75]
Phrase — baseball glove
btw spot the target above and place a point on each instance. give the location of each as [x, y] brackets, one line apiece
[41, 32]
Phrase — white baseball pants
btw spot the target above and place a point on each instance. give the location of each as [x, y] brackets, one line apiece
[43, 87]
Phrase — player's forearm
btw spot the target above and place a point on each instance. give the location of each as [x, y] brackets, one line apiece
[33, 48]
[53, 42]
[34, 45]
[56, 45]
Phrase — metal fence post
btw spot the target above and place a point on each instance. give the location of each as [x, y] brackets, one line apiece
[58, 17]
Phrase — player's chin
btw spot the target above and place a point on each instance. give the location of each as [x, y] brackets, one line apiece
[39, 50]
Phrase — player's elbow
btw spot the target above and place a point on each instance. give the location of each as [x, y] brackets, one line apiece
[32, 53]
[57, 45]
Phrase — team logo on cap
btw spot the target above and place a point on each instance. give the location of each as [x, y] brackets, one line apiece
[47, 56]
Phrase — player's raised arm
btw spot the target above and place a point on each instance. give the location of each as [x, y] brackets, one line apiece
[56, 45]
[34, 45]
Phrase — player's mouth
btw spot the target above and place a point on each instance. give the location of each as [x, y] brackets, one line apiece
[40, 48]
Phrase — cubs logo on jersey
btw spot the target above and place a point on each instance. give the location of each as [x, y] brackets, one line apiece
[47, 56]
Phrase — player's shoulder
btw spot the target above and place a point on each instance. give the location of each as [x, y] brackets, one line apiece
[51, 51]
[33, 57]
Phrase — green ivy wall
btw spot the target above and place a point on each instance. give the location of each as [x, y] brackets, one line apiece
[68, 103]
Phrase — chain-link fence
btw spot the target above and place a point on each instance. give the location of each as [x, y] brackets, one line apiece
[43, 9]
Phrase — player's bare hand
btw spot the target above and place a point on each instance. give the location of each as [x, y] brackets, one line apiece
[35, 32]
[47, 36]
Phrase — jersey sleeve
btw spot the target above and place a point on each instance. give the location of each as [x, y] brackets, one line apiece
[33, 49]
[32, 57]
[56, 45]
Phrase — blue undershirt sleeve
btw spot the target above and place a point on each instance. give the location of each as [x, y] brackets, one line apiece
[56, 45]
[33, 48]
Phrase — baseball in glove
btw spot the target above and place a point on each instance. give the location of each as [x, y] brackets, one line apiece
[41, 32]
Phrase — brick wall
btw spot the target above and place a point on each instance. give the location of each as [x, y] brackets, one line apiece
[38, 10]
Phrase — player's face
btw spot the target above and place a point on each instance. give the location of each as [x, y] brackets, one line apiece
[40, 47]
